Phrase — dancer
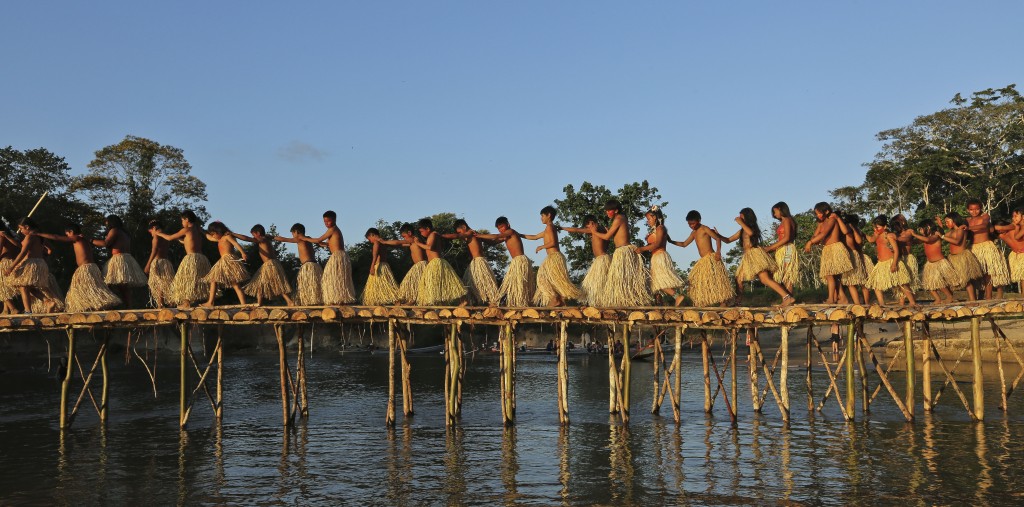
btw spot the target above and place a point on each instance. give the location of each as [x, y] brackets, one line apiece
[888, 272]
[993, 264]
[835, 258]
[1013, 235]
[122, 272]
[87, 292]
[381, 288]
[409, 289]
[481, 286]
[786, 254]
[960, 255]
[756, 263]
[520, 282]
[28, 272]
[229, 271]
[308, 289]
[9, 249]
[626, 284]
[336, 282]
[709, 281]
[553, 285]
[939, 274]
[663, 271]
[270, 280]
[159, 269]
[593, 282]
[439, 285]
[188, 287]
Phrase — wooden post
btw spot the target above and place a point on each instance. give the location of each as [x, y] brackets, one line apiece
[656, 366]
[926, 368]
[301, 367]
[908, 340]
[389, 417]
[625, 373]
[864, 398]
[282, 361]
[732, 376]
[406, 369]
[508, 376]
[453, 360]
[810, 361]
[979, 379]
[103, 367]
[704, 352]
[66, 383]
[563, 373]
[677, 367]
[613, 376]
[784, 375]
[183, 378]
[851, 347]
[220, 376]
[999, 364]
[755, 399]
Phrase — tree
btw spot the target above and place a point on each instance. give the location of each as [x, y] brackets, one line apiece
[636, 199]
[140, 180]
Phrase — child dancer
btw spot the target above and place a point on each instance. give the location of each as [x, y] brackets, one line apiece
[939, 274]
[481, 286]
[87, 292]
[409, 289]
[336, 282]
[835, 258]
[159, 269]
[593, 282]
[520, 281]
[122, 272]
[9, 249]
[553, 284]
[888, 272]
[756, 263]
[439, 284]
[229, 271]
[188, 285]
[663, 271]
[270, 280]
[308, 281]
[786, 253]
[381, 288]
[993, 264]
[709, 281]
[627, 284]
[960, 255]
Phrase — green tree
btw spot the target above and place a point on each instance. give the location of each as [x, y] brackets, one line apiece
[139, 180]
[636, 199]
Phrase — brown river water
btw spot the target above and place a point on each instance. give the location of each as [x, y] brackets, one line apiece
[344, 455]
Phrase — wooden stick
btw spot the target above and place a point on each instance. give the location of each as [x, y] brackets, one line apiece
[979, 378]
[851, 346]
[389, 416]
[220, 376]
[705, 354]
[885, 381]
[752, 373]
[40, 201]
[103, 366]
[282, 360]
[865, 402]
[183, 384]
[926, 368]
[784, 375]
[908, 344]
[66, 383]
[732, 375]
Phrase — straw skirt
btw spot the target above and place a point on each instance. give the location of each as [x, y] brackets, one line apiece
[123, 269]
[439, 284]
[32, 273]
[883, 279]
[992, 263]
[409, 290]
[336, 285]
[709, 282]
[228, 271]
[627, 283]
[7, 291]
[308, 282]
[967, 266]
[39, 305]
[940, 274]
[188, 286]
[270, 281]
[519, 284]
[161, 280]
[1016, 266]
[788, 260]
[755, 261]
[835, 260]
[859, 274]
[553, 281]
[663, 273]
[480, 284]
[381, 288]
[915, 271]
[88, 293]
[596, 277]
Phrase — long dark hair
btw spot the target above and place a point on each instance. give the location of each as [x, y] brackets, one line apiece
[783, 209]
[750, 219]
[659, 217]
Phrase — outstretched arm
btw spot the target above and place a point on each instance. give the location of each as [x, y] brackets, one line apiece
[242, 237]
[55, 237]
[686, 242]
[107, 241]
[171, 237]
[576, 230]
[925, 239]
[154, 247]
[283, 239]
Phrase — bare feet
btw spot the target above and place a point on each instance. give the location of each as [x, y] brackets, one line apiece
[678, 300]
[788, 300]
[208, 304]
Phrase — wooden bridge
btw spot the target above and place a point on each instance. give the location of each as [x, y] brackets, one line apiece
[847, 381]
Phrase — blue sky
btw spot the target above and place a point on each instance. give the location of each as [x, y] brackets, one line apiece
[398, 110]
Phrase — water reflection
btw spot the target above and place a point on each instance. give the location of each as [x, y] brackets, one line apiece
[455, 465]
[509, 464]
[620, 465]
[564, 475]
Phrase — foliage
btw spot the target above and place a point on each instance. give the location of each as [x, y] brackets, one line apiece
[636, 199]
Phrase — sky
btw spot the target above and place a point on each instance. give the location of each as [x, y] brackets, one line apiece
[399, 110]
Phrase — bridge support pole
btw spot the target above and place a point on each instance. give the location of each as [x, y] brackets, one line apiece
[908, 344]
[979, 379]
[66, 382]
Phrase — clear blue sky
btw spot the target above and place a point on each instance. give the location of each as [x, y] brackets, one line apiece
[398, 110]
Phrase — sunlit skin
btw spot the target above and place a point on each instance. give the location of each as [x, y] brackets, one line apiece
[597, 245]
[267, 253]
[119, 242]
[785, 235]
[158, 250]
[957, 239]
[887, 248]
[933, 252]
[550, 243]
[9, 249]
[826, 233]
[31, 248]
[744, 235]
[980, 225]
[225, 243]
[656, 242]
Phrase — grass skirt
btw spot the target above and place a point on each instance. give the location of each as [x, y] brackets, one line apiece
[1016, 266]
[859, 274]
[161, 279]
[663, 273]
[188, 286]
[992, 263]
[940, 274]
[381, 288]
[788, 260]
[519, 284]
[39, 305]
[88, 293]
[915, 271]
[269, 282]
[709, 282]
[228, 271]
[881, 278]
[596, 277]
[627, 280]
[439, 284]
[409, 290]
[336, 285]
[480, 283]
[754, 261]
[309, 293]
[7, 291]
[967, 266]
[32, 273]
[553, 280]
[123, 269]
[835, 260]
